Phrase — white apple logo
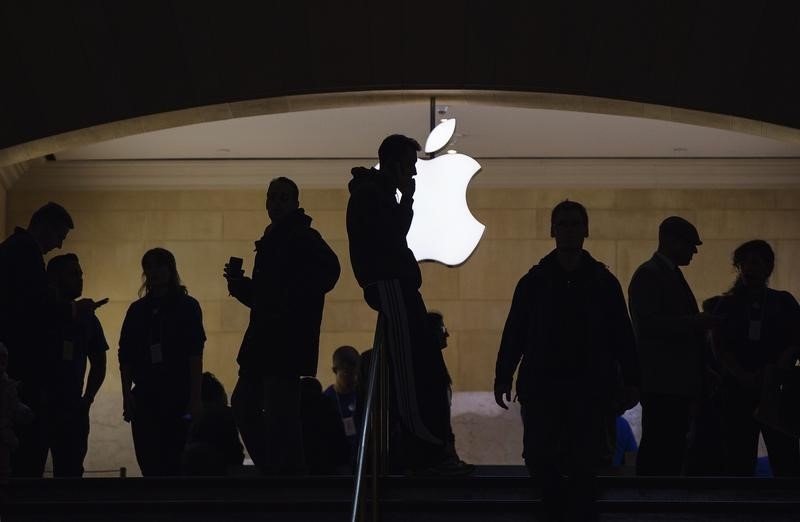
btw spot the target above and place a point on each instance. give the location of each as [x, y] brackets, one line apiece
[443, 228]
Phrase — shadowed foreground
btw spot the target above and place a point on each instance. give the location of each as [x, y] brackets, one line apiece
[498, 492]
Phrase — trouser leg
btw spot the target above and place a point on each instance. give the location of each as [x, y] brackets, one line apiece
[740, 436]
[69, 440]
[159, 438]
[665, 424]
[589, 445]
[417, 372]
[147, 439]
[283, 424]
[543, 431]
[247, 403]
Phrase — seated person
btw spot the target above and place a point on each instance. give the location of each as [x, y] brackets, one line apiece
[213, 446]
[324, 442]
[344, 393]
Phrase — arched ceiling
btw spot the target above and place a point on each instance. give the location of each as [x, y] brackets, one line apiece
[483, 131]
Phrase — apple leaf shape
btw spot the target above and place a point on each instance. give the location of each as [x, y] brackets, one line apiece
[440, 136]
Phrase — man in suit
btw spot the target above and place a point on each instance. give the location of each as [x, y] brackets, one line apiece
[669, 332]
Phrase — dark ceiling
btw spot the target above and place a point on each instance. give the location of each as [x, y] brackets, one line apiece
[70, 65]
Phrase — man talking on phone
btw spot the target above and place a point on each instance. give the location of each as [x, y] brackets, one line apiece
[82, 341]
[294, 269]
[29, 313]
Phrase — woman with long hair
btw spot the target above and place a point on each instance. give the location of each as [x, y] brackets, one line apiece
[759, 327]
[161, 365]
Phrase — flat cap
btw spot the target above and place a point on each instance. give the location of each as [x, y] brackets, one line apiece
[676, 226]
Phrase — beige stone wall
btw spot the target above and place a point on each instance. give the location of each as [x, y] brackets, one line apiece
[204, 227]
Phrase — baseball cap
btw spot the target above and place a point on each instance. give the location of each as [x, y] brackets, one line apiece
[676, 226]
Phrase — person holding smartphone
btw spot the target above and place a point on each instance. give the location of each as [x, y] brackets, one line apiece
[82, 341]
[294, 269]
[161, 365]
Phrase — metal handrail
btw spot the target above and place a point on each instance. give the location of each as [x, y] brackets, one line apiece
[362, 445]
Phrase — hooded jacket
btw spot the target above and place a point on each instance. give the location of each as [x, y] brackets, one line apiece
[294, 269]
[606, 353]
[377, 226]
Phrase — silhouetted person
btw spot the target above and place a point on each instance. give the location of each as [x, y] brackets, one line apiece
[344, 393]
[377, 225]
[439, 332]
[294, 269]
[13, 414]
[82, 341]
[568, 331]
[760, 327]
[213, 446]
[670, 336]
[29, 313]
[327, 450]
[161, 365]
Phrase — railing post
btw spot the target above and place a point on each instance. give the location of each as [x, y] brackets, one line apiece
[376, 436]
[368, 420]
[383, 416]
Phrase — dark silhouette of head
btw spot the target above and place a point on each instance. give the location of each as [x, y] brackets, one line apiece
[160, 273]
[310, 390]
[437, 328]
[211, 391]
[398, 157]
[754, 262]
[678, 240]
[569, 225]
[346, 362]
[49, 226]
[66, 276]
[283, 197]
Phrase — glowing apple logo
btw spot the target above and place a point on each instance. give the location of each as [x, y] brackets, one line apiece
[443, 228]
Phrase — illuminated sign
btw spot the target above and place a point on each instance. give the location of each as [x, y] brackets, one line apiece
[443, 228]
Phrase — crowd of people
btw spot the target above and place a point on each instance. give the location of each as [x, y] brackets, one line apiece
[708, 382]
[582, 356]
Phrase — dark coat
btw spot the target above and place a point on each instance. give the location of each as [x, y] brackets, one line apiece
[670, 346]
[30, 312]
[178, 327]
[529, 334]
[294, 269]
[377, 226]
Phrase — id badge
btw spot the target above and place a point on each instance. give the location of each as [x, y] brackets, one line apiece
[156, 357]
[754, 332]
[349, 426]
[68, 352]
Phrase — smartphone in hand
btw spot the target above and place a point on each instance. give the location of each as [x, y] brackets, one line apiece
[234, 267]
[101, 302]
